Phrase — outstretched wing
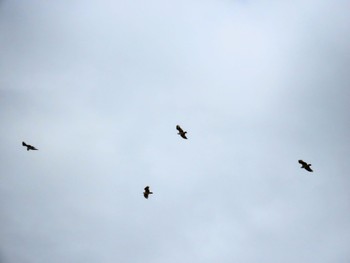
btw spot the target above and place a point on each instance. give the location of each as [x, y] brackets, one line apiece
[147, 189]
[308, 168]
[24, 144]
[179, 129]
[145, 195]
[302, 162]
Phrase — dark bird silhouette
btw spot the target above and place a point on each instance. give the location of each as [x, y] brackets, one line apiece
[147, 192]
[305, 165]
[181, 132]
[29, 147]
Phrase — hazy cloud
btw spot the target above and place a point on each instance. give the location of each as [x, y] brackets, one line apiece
[99, 86]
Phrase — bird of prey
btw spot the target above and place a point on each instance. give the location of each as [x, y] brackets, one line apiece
[305, 165]
[181, 132]
[147, 192]
[29, 147]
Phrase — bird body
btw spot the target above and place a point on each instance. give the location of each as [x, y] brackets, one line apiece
[305, 165]
[29, 147]
[147, 192]
[181, 132]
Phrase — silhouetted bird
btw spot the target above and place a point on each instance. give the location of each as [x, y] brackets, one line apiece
[181, 132]
[147, 192]
[305, 165]
[29, 147]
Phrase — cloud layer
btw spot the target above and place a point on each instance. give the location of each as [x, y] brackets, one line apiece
[99, 86]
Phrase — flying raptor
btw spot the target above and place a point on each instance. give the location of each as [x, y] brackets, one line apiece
[29, 147]
[181, 132]
[147, 192]
[305, 165]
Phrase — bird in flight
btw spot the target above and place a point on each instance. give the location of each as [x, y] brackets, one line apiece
[305, 165]
[181, 132]
[29, 147]
[147, 192]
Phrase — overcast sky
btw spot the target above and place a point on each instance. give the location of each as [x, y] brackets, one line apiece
[99, 86]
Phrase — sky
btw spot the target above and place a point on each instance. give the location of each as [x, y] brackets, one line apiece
[99, 87]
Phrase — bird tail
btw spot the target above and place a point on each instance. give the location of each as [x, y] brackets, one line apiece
[150, 193]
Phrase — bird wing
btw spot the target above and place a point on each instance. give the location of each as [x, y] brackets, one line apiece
[145, 195]
[24, 144]
[179, 129]
[147, 189]
[183, 135]
[302, 162]
[308, 168]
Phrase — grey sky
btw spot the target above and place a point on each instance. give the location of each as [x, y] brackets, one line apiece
[99, 86]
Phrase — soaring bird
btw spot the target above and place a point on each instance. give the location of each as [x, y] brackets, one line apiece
[147, 192]
[305, 165]
[181, 132]
[29, 147]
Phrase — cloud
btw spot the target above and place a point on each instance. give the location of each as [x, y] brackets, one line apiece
[99, 87]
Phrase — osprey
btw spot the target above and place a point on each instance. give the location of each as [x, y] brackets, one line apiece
[147, 192]
[29, 147]
[305, 165]
[181, 132]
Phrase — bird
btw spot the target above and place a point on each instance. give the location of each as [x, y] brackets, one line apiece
[29, 147]
[147, 192]
[181, 132]
[305, 165]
